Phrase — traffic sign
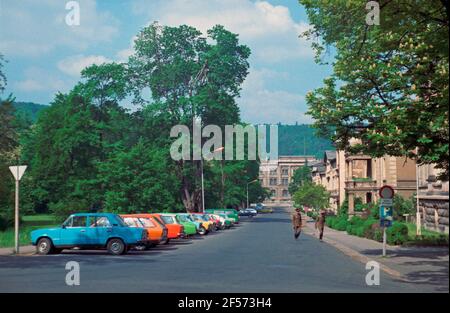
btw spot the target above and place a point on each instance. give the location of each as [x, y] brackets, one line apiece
[18, 171]
[387, 192]
[386, 202]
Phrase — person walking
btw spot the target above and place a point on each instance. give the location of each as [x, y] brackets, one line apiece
[320, 223]
[297, 223]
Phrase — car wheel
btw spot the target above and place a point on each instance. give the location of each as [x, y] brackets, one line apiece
[116, 247]
[165, 242]
[44, 246]
[202, 230]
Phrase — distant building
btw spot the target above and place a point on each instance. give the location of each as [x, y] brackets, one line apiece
[275, 175]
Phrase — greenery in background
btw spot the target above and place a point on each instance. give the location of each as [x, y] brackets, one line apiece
[86, 153]
[311, 195]
[301, 139]
[301, 176]
[367, 225]
[390, 82]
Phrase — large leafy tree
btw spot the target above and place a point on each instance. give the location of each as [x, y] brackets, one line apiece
[311, 195]
[188, 77]
[301, 176]
[390, 82]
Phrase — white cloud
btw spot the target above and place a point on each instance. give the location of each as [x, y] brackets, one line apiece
[37, 79]
[268, 29]
[33, 28]
[259, 104]
[75, 64]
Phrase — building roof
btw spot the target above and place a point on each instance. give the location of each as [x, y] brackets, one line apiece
[330, 155]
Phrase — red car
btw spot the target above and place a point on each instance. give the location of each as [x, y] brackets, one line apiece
[174, 230]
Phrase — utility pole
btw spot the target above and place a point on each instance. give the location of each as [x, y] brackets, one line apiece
[253, 181]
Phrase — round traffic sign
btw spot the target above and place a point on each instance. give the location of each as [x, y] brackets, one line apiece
[387, 192]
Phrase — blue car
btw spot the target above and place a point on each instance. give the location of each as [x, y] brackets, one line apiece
[89, 231]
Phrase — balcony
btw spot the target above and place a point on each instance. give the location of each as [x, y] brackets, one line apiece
[366, 184]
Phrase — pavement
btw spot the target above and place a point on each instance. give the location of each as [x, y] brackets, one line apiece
[258, 255]
[414, 264]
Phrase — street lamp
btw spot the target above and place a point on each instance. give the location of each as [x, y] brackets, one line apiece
[253, 181]
[203, 179]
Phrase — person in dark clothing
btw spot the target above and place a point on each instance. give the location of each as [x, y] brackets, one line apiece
[320, 224]
[297, 223]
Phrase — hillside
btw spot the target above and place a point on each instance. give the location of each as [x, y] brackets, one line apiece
[29, 108]
[301, 140]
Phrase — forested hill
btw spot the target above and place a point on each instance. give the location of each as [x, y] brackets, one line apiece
[30, 109]
[301, 140]
[292, 139]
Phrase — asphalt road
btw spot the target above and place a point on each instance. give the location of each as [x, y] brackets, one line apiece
[259, 255]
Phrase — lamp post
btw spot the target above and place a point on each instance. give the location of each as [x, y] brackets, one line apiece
[253, 181]
[203, 179]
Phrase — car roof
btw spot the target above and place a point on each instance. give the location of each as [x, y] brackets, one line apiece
[93, 214]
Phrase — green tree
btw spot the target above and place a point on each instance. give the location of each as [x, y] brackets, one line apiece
[301, 176]
[389, 86]
[312, 195]
[188, 77]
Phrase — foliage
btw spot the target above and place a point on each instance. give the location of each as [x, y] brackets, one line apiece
[301, 176]
[397, 234]
[311, 195]
[389, 87]
[403, 206]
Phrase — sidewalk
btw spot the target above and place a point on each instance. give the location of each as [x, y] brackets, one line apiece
[23, 250]
[418, 265]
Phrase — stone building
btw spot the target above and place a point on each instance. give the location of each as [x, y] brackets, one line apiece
[433, 199]
[276, 175]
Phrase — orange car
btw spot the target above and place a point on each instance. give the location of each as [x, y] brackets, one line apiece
[174, 230]
[157, 232]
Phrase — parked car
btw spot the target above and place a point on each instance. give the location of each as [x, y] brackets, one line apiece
[157, 232]
[189, 227]
[210, 223]
[230, 213]
[204, 223]
[248, 212]
[266, 210]
[174, 230]
[89, 231]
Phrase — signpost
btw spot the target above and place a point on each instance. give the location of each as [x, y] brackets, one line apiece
[386, 204]
[17, 172]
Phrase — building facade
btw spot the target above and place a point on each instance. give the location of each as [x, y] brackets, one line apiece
[275, 175]
[433, 199]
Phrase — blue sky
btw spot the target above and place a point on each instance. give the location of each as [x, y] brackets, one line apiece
[45, 55]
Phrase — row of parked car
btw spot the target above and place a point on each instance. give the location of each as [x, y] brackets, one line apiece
[119, 233]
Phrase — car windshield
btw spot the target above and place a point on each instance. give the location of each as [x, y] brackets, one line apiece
[196, 217]
[168, 219]
[147, 222]
[182, 218]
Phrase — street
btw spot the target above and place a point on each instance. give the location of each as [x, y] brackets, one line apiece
[258, 255]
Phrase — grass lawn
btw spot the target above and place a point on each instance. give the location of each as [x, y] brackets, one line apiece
[428, 237]
[30, 223]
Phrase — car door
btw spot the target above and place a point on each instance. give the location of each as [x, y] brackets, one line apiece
[73, 232]
[99, 230]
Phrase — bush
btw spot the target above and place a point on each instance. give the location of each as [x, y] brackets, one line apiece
[7, 220]
[341, 223]
[397, 234]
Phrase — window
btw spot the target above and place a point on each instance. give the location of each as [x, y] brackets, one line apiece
[132, 222]
[285, 193]
[273, 181]
[78, 221]
[273, 172]
[285, 171]
[273, 193]
[285, 181]
[147, 222]
[168, 219]
[100, 221]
